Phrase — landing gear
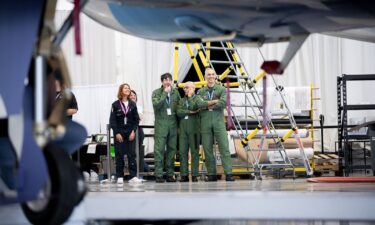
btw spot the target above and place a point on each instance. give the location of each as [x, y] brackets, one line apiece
[64, 190]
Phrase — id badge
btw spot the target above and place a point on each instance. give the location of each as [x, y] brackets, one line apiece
[125, 120]
[186, 117]
[169, 111]
[210, 110]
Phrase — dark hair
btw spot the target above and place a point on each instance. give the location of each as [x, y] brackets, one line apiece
[119, 92]
[58, 75]
[59, 78]
[135, 93]
[166, 76]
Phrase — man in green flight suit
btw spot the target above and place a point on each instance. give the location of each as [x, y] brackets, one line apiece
[165, 100]
[188, 136]
[212, 102]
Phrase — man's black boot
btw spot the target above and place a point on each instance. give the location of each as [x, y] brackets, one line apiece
[194, 179]
[211, 178]
[171, 179]
[159, 180]
[229, 177]
[184, 179]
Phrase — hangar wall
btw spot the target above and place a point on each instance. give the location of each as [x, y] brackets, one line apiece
[110, 58]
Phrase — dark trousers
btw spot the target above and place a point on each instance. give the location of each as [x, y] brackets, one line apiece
[127, 147]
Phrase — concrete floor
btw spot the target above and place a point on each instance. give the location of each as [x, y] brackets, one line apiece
[270, 201]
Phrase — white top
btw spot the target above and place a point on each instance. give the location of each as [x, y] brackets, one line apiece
[126, 103]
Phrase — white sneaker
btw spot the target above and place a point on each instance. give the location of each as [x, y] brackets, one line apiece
[104, 181]
[86, 175]
[135, 180]
[120, 180]
[113, 179]
[94, 176]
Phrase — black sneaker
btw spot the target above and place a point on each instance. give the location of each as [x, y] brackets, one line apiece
[229, 177]
[159, 180]
[211, 178]
[184, 179]
[171, 179]
[194, 179]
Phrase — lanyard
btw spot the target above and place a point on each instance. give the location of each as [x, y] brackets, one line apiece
[58, 95]
[210, 95]
[186, 103]
[168, 99]
[124, 110]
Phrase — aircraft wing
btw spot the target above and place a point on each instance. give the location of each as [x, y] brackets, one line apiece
[243, 20]
[247, 21]
[361, 34]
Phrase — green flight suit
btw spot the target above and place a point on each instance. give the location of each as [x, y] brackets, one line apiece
[165, 130]
[213, 125]
[188, 137]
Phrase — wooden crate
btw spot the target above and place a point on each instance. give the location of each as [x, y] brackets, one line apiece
[326, 162]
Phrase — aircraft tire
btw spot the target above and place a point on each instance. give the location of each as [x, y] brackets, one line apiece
[63, 193]
[81, 187]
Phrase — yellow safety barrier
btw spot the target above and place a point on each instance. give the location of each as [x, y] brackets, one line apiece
[288, 134]
[197, 84]
[181, 85]
[195, 63]
[260, 75]
[235, 57]
[250, 136]
[208, 51]
[201, 83]
[233, 84]
[225, 73]
[201, 55]
[175, 69]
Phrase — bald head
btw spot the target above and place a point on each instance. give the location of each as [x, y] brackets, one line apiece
[189, 84]
[189, 88]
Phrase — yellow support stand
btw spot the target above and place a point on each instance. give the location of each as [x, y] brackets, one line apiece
[259, 76]
[201, 83]
[225, 73]
[229, 44]
[195, 63]
[201, 55]
[175, 66]
[236, 59]
[181, 85]
[233, 84]
[197, 84]
[250, 136]
[208, 45]
[288, 134]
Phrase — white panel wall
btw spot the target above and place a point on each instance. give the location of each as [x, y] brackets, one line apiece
[110, 58]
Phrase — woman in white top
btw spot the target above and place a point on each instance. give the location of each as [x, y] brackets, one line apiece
[124, 120]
